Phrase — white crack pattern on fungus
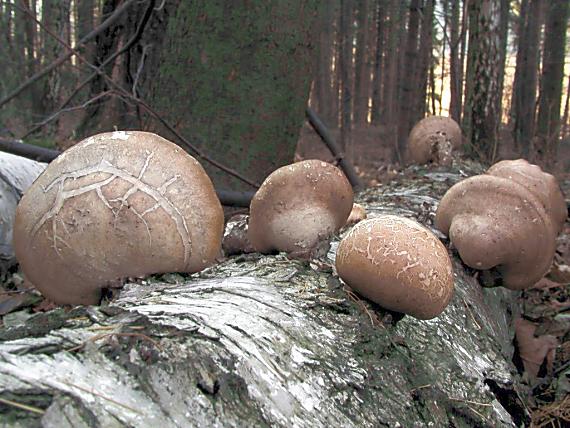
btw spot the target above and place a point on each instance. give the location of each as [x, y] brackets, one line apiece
[138, 185]
[431, 283]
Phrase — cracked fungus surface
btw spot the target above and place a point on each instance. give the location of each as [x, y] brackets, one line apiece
[399, 264]
[117, 204]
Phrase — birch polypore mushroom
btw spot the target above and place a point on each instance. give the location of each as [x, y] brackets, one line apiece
[541, 184]
[116, 205]
[298, 205]
[433, 139]
[495, 222]
[398, 264]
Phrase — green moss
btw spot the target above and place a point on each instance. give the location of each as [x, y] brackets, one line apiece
[235, 78]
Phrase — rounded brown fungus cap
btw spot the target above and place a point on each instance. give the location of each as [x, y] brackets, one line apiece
[116, 205]
[433, 139]
[298, 205]
[543, 186]
[398, 264]
[495, 222]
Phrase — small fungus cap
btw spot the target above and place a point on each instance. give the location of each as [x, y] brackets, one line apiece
[495, 222]
[542, 185]
[433, 139]
[116, 205]
[398, 264]
[298, 205]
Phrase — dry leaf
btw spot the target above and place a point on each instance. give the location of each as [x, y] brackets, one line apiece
[534, 350]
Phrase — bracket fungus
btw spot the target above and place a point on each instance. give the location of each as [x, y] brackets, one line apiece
[433, 139]
[543, 185]
[116, 205]
[398, 264]
[299, 205]
[505, 220]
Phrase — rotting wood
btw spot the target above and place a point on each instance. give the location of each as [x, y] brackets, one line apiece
[264, 340]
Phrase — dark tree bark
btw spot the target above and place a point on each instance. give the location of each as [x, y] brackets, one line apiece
[85, 23]
[378, 62]
[525, 83]
[462, 53]
[425, 56]
[407, 81]
[548, 122]
[324, 67]
[503, 37]
[455, 66]
[234, 81]
[361, 70]
[565, 124]
[481, 119]
[345, 67]
[390, 78]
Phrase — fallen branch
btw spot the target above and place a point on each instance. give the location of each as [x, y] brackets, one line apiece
[328, 139]
[40, 154]
[63, 58]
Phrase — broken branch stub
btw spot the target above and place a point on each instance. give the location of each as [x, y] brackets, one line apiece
[116, 205]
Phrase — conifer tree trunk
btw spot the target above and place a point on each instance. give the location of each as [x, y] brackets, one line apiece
[407, 80]
[455, 66]
[481, 118]
[378, 62]
[390, 79]
[345, 67]
[360, 65]
[548, 122]
[425, 59]
[524, 88]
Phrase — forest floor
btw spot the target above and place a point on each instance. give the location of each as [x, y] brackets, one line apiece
[543, 331]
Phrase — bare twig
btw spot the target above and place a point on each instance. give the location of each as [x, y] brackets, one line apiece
[327, 138]
[140, 68]
[63, 58]
[22, 406]
[98, 394]
[36, 153]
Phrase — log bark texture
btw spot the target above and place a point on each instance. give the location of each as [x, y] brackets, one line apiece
[268, 341]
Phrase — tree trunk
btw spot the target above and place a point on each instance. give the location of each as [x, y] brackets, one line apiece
[345, 67]
[503, 38]
[407, 81]
[267, 341]
[455, 65]
[481, 119]
[85, 23]
[462, 52]
[232, 79]
[425, 56]
[565, 124]
[361, 70]
[324, 67]
[378, 63]
[390, 80]
[524, 92]
[548, 122]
